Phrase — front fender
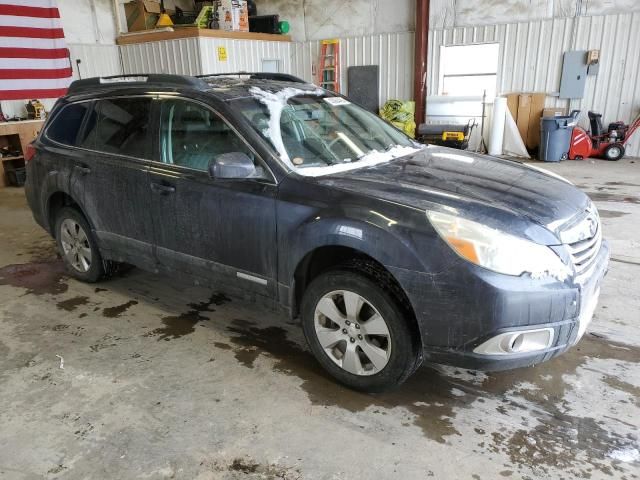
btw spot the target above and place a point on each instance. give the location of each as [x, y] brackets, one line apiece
[384, 243]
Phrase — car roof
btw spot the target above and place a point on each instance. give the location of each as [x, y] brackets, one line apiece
[226, 87]
[230, 88]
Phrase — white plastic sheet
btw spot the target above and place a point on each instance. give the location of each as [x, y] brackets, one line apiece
[513, 145]
[496, 135]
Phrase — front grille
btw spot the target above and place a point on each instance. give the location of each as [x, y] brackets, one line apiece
[584, 252]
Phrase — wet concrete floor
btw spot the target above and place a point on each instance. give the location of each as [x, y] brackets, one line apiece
[143, 377]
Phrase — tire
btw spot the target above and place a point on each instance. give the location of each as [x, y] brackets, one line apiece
[78, 247]
[614, 152]
[367, 362]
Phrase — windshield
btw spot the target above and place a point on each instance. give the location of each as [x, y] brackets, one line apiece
[317, 134]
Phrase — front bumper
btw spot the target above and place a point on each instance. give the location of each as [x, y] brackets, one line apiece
[464, 307]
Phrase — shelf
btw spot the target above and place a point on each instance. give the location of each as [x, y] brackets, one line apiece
[145, 36]
[6, 159]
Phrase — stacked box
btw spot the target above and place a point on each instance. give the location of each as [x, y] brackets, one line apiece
[526, 109]
[233, 15]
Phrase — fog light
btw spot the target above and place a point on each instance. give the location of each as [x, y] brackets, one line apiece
[522, 341]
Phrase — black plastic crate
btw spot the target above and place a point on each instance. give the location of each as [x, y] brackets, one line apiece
[17, 176]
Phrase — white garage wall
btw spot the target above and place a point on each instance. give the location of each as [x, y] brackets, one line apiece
[95, 60]
[197, 56]
[392, 52]
[531, 60]
[170, 56]
[243, 55]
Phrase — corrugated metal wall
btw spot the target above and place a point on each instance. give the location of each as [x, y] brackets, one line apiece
[243, 55]
[392, 52]
[531, 60]
[170, 56]
[96, 60]
[197, 56]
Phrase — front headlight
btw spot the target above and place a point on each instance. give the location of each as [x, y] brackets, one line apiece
[496, 250]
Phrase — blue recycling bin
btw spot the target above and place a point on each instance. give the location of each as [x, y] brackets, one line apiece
[555, 137]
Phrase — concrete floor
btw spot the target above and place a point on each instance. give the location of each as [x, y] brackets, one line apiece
[164, 380]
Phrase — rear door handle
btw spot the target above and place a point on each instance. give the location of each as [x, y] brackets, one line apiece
[162, 189]
[82, 169]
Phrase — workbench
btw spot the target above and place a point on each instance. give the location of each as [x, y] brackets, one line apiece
[17, 135]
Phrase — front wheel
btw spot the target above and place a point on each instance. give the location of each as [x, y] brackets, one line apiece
[78, 248]
[614, 152]
[358, 332]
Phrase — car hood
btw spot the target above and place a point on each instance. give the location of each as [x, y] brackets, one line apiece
[479, 187]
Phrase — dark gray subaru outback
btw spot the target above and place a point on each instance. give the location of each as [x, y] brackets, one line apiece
[389, 252]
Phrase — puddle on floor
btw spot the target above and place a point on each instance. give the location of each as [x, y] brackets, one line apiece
[177, 326]
[622, 184]
[613, 197]
[611, 213]
[71, 304]
[37, 278]
[435, 398]
[115, 312]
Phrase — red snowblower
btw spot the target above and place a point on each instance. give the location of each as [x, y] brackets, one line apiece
[609, 145]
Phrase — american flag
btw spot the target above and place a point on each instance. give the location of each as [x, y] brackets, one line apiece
[34, 60]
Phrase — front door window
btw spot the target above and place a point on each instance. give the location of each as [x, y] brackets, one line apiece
[193, 136]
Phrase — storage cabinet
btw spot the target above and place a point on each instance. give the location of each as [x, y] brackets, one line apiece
[14, 138]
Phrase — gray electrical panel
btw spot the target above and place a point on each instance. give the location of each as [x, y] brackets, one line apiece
[574, 74]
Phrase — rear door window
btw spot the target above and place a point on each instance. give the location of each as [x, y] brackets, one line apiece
[66, 125]
[120, 126]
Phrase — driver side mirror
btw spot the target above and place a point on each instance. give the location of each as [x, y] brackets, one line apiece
[232, 165]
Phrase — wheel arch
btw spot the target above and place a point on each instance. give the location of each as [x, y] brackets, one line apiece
[328, 257]
[55, 202]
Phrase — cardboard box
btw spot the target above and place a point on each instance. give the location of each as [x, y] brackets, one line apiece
[233, 15]
[143, 14]
[554, 112]
[512, 104]
[535, 114]
[526, 109]
[522, 120]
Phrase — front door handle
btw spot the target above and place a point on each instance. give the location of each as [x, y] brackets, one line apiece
[83, 169]
[162, 189]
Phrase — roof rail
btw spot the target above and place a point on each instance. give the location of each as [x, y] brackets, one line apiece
[136, 79]
[285, 77]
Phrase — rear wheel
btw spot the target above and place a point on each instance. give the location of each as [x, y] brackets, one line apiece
[357, 331]
[614, 152]
[77, 246]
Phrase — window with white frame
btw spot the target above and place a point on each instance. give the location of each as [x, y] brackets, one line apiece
[469, 70]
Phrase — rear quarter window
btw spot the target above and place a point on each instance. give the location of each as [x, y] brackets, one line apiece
[121, 126]
[66, 124]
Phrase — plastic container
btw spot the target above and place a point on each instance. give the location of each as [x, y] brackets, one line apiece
[17, 176]
[555, 137]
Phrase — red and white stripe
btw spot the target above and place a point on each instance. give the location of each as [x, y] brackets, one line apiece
[34, 60]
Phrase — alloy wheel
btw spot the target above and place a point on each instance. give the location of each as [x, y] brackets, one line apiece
[352, 332]
[75, 245]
